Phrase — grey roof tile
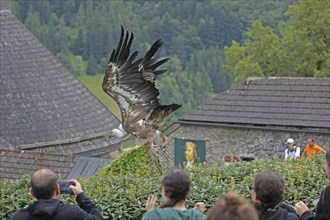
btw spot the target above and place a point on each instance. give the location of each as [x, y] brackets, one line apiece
[40, 100]
[15, 163]
[275, 101]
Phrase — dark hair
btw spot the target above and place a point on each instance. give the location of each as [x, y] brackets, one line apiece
[312, 139]
[269, 189]
[43, 183]
[176, 183]
[234, 207]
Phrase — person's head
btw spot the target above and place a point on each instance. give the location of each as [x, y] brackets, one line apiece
[175, 187]
[290, 143]
[327, 164]
[44, 184]
[267, 190]
[190, 151]
[310, 142]
[234, 207]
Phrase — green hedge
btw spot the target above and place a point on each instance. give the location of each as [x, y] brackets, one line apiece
[121, 194]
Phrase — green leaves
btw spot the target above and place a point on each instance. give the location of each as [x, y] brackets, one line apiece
[301, 48]
[121, 189]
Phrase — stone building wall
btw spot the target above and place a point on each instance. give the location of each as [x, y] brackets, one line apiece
[255, 143]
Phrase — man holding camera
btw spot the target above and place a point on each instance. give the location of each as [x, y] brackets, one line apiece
[45, 188]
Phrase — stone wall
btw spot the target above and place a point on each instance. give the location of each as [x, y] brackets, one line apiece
[256, 143]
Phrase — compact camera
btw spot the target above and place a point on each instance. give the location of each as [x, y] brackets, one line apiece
[65, 187]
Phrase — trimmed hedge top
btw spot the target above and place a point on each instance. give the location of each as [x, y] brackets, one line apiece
[121, 189]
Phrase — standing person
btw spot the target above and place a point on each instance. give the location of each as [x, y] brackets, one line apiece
[45, 189]
[323, 206]
[312, 149]
[267, 193]
[234, 207]
[292, 151]
[176, 187]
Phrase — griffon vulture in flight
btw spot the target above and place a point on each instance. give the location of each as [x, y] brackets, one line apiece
[131, 83]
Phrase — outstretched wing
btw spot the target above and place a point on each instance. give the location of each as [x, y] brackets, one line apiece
[160, 115]
[131, 83]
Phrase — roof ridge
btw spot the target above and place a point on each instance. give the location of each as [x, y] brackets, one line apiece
[250, 78]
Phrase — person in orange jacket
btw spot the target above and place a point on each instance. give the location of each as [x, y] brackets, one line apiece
[312, 149]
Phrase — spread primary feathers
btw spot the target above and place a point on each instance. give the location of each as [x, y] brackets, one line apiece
[131, 83]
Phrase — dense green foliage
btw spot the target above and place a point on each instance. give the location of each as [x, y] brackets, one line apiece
[83, 33]
[136, 162]
[301, 48]
[121, 194]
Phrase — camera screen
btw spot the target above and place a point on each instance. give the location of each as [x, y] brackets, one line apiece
[65, 188]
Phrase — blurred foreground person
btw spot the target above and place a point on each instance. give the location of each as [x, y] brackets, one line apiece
[267, 193]
[45, 188]
[323, 205]
[176, 186]
[234, 207]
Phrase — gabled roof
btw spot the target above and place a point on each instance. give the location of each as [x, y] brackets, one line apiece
[15, 163]
[43, 106]
[273, 102]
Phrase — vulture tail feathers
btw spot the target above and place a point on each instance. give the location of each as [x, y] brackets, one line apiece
[160, 114]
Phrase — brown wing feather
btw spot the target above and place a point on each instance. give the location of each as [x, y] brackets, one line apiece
[160, 114]
[127, 82]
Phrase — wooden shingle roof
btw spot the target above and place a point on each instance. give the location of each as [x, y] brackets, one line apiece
[15, 163]
[43, 106]
[273, 102]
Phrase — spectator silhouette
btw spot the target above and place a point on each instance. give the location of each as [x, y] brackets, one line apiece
[45, 188]
[176, 186]
[234, 207]
[267, 192]
[323, 205]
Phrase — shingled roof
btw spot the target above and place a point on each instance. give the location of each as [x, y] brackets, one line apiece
[43, 106]
[288, 102]
[15, 163]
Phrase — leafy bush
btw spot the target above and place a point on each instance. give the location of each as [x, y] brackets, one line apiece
[13, 196]
[121, 193]
[137, 162]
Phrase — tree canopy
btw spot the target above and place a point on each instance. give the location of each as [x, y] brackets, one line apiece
[82, 35]
[300, 48]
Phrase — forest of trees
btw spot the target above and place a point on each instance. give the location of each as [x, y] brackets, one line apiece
[300, 48]
[254, 35]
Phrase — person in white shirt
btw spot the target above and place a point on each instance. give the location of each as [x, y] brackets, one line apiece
[292, 151]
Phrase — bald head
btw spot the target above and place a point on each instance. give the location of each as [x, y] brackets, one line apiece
[43, 183]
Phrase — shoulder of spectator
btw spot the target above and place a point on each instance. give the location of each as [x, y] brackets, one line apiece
[81, 196]
[150, 215]
[308, 215]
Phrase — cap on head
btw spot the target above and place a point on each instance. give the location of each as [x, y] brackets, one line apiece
[290, 140]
